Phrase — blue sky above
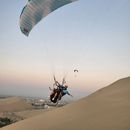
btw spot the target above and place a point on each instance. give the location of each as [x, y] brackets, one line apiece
[92, 36]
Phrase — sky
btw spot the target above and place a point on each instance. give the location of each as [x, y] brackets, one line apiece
[92, 36]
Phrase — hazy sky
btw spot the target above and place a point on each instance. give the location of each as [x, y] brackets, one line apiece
[92, 36]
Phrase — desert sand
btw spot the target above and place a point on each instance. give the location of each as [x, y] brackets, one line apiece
[106, 109]
[13, 104]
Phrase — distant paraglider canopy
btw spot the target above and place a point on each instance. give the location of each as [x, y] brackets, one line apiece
[76, 70]
[35, 10]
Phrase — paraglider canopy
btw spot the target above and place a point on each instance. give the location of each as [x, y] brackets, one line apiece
[35, 10]
[76, 70]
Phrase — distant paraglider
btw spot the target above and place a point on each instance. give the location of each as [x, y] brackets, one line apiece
[75, 72]
[35, 10]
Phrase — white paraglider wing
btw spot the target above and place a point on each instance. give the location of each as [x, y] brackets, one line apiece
[35, 10]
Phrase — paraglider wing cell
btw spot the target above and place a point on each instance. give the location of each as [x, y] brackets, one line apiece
[35, 10]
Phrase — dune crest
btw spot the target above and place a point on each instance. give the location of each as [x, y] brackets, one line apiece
[106, 109]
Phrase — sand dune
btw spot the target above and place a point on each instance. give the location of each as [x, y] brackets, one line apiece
[30, 113]
[13, 104]
[106, 109]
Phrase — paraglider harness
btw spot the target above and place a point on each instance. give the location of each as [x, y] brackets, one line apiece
[57, 93]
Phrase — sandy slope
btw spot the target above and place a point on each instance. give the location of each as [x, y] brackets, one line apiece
[13, 104]
[106, 109]
[31, 113]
